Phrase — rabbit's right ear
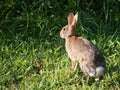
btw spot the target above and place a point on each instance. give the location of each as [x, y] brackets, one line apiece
[70, 18]
[75, 20]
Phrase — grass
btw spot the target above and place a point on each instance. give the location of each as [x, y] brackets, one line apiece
[33, 56]
[18, 68]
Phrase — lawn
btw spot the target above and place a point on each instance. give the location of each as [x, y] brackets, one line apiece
[33, 56]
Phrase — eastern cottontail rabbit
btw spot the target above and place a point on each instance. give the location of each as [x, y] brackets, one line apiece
[79, 49]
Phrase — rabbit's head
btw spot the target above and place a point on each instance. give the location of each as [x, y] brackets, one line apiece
[70, 29]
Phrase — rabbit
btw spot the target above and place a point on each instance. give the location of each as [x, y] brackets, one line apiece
[80, 50]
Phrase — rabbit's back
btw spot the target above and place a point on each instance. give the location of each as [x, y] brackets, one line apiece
[79, 47]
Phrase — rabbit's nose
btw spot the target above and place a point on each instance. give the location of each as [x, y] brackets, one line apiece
[61, 35]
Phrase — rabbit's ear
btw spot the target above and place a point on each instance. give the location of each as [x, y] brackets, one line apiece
[75, 19]
[70, 18]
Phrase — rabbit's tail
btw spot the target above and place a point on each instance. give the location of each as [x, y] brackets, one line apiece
[99, 70]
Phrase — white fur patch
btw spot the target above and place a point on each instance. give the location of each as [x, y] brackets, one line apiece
[99, 70]
[91, 74]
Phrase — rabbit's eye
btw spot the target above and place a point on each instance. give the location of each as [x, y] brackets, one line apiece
[64, 29]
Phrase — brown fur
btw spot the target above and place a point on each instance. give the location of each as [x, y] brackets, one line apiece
[80, 49]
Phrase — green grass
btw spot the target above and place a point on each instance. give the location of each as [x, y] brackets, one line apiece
[17, 67]
[33, 56]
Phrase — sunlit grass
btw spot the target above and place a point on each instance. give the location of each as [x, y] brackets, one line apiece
[17, 66]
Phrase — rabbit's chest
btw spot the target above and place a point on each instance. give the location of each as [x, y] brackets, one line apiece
[72, 52]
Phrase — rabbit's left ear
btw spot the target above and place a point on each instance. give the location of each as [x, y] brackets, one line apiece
[70, 18]
[75, 20]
